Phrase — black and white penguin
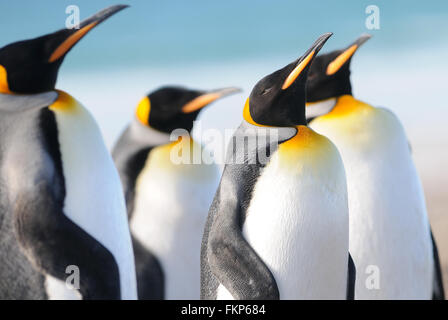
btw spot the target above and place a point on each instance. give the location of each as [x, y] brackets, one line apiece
[62, 210]
[278, 225]
[167, 199]
[390, 236]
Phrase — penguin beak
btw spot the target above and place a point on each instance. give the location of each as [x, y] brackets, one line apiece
[72, 36]
[207, 98]
[305, 61]
[362, 39]
[345, 56]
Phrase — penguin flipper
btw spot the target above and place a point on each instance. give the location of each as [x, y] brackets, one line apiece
[240, 269]
[231, 259]
[351, 278]
[52, 242]
[150, 278]
[129, 158]
[438, 292]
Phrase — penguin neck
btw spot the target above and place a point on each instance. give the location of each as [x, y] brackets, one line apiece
[23, 102]
[345, 100]
[345, 105]
[147, 135]
[318, 108]
[345, 97]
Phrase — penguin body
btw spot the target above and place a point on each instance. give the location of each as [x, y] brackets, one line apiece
[167, 201]
[390, 236]
[278, 227]
[171, 205]
[62, 203]
[19, 279]
[84, 155]
[291, 196]
[388, 223]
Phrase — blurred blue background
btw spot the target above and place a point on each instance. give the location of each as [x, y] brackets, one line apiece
[209, 44]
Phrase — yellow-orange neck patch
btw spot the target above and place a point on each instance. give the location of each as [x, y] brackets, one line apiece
[65, 102]
[142, 111]
[4, 87]
[248, 117]
[305, 137]
[183, 148]
[306, 146]
[346, 105]
[246, 114]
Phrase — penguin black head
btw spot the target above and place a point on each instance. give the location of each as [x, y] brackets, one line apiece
[31, 66]
[329, 75]
[170, 108]
[279, 98]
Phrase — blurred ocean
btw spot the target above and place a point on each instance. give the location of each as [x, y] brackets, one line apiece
[211, 44]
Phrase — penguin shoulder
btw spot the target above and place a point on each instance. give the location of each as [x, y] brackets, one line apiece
[308, 147]
[389, 116]
[356, 125]
[303, 159]
[182, 158]
[134, 145]
[14, 103]
[65, 103]
[345, 109]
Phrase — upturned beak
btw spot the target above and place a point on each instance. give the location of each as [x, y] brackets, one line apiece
[207, 98]
[69, 37]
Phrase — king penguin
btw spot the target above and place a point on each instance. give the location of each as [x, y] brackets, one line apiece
[167, 199]
[390, 236]
[278, 225]
[62, 211]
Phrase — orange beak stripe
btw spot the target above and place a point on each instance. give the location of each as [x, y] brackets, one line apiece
[200, 102]
[337, 63]
[70, 42]
[297, 70]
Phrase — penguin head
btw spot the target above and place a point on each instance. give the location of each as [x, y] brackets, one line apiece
[329, 75]
[279, 98]
[170, 108]
[31, 66]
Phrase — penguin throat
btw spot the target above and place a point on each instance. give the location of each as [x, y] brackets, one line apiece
[148, 135]
[273, 123]
[319, 108]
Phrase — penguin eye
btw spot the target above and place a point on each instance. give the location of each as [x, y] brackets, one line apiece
[265, 91]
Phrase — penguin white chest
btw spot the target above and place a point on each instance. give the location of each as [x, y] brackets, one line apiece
[297, 220]
[94, 197]
[389, 229]
[171, 207]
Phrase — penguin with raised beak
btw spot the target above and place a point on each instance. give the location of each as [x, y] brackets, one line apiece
[62, 210]
[167, 197]
[278, 225]
[390, 236]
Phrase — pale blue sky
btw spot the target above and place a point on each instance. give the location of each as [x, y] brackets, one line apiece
[208, 44]
[179, 32]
